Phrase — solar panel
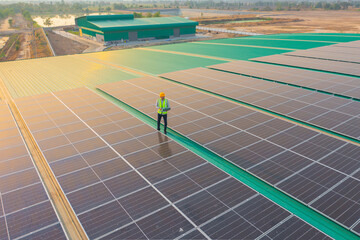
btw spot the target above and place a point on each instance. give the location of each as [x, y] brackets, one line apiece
[333, 113]
[318, 64]
[25, 208]
[153, 189]
[352, 44]
[357, 228]
[331, 83]
[332, 52]
[249, 151]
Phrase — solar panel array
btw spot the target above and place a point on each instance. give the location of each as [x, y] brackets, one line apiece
[353, 44]
[342, 85]
[312, 167]
[330, 112]
[126, 180]
[332, 52]
[318, 64]
[25, 209]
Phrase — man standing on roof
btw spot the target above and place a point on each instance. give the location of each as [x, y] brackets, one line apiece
[163, 107]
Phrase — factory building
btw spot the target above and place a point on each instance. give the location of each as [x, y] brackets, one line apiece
[108, 28]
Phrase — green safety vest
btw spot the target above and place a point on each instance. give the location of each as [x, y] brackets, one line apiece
[162, 105]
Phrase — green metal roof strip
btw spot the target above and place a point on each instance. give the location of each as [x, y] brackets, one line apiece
[142, 23]
[300, 210]
[233, 52]
[274, 43]
[333, 38]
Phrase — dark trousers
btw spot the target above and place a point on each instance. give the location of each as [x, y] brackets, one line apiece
[159, 120]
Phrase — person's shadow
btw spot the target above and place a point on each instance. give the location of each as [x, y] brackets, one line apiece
[164, 148]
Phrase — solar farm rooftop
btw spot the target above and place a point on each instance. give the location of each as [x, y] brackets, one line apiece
[263, 142]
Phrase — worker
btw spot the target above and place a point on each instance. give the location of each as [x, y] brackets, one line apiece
[163, 107]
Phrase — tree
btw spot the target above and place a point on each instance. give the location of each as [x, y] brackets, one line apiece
[157, 14]
[149, 15]
[48, 22]
[336, 6]
[108, 9]
[318, 5]
[119, 6]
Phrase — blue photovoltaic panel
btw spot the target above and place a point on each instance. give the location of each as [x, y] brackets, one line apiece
[307, 165]
[332, 83]
[312, 63]
[339, 52]
[130, 181]
[337, 114]
[25, 209]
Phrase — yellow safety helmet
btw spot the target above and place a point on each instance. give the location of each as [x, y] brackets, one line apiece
[162, 94]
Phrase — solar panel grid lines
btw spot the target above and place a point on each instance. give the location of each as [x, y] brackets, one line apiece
[352, 44]
[264, 235]
[148, 182]
[190, 175]
[325, 111]
[292, 228]
[337, 49]
[304, 135]
[328, 54]
[22, 192]
[2, 215]
[331, 83]
[317, 64]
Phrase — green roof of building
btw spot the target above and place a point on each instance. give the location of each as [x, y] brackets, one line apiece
[128, 22]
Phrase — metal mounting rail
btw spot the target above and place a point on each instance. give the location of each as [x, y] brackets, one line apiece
[68, 218]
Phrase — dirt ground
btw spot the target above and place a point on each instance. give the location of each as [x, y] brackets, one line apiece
[39, 47]
[63, 45]
[10, 52]
[20, 22]
[198, 14]
[313, 21]
[24, 52]
[3, 41]
[56, 21]
[4, 25]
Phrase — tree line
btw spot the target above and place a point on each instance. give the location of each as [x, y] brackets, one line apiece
[62, 7]
[269, 5]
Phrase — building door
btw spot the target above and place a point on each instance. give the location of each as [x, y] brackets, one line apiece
[133, 36]
[176, 32]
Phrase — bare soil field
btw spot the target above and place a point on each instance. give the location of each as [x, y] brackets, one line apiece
[10, 52]
[40, 47]
[20, 22]
[56, 21]
[313, 21]
[3, 41]
[63, 45]
[4, 25]
[193, 14]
